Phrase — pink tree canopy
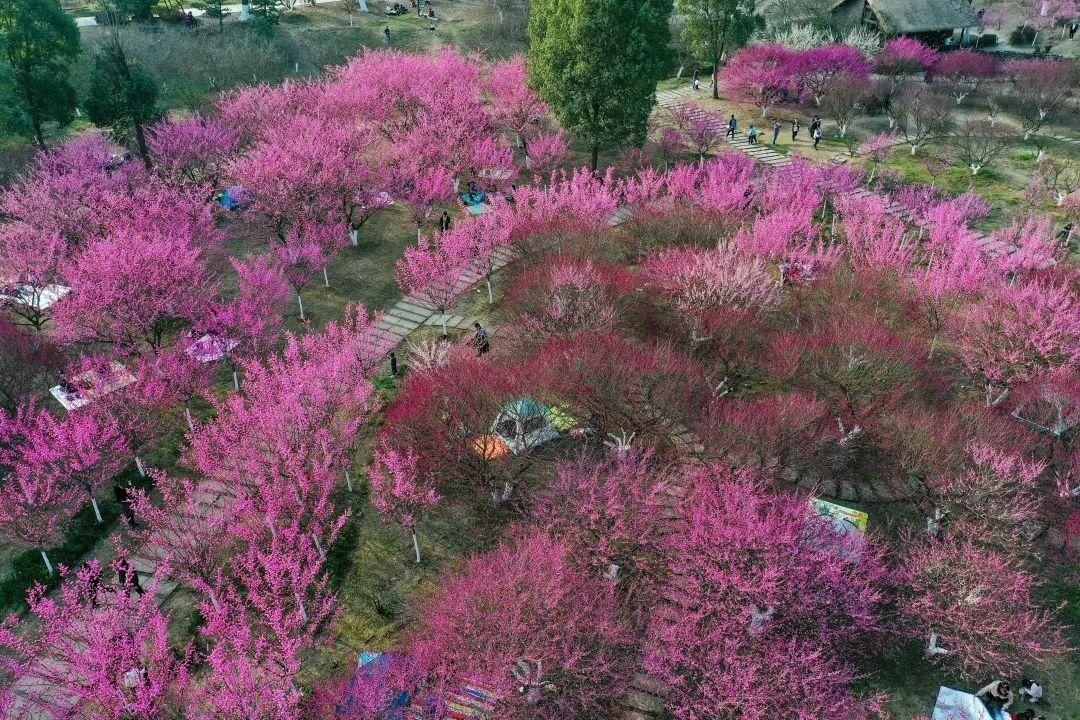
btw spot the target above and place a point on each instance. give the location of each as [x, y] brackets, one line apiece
[760, 74]
[963, 72]
[978, 604]
[96, 652]
[768, 603]
[523, 623]
[820, 70]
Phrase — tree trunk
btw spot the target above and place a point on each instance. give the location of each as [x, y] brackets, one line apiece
[595, 157]
[140, 142]
[416, 547]
[443, 319]
[354, 235]
[40, 138]
[348, 480]
[187, 414]
[491, 298]
[235, 381]
[97, 510]
[48, 565]
[325, 277]
[300, 302]
[139, 466]
[245, 15]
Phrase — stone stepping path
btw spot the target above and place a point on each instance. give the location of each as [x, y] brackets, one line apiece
[669, 99]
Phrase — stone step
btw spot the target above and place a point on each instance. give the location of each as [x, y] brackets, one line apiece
[405, 314]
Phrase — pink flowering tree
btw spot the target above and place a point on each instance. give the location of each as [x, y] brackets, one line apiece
[701, 283]
[96, 651]
[547, 151]
[975, 609]
[400, 492]
[40, 502]
[421, 188]
[1017, 332]
[768, 603]
[760, 74]
[31, 258]
[82, 449]
[192, 151]
[612, 512]
[134, 288]
[1050, 407]
[824, 70]
[901, 57]
[432, 272]
[703, 130]
[573, 297]
[964, 71]
[1041, 87]
[523, 623]
[515, 106]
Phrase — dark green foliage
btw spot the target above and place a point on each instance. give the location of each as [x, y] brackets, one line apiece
[39, 43]
[265, 15]
[597, 62]
[136, 9]
[715, 27]
[217, 10]
[122, 97]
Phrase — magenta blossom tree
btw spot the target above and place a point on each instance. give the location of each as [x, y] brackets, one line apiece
[515, 105]
[823, 70]
[964, 71]
[192, 151]
[760, 74]
[432, 272]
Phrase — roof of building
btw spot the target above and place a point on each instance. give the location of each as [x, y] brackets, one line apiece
[912, 16]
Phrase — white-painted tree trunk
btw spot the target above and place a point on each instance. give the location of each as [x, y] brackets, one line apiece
[97, 510]
[245, 11]
[300, 302]
[187, 416]
[363, 6]
[354, 237]
[491, 297]
[300, 606]
[348, 480]
[913, 148]
[416, 547]
[139, 466]
[419, 237]
[443, 319]
[318, 546]
[48, 565]
[235, 381]
[975, 168]
[325, 277]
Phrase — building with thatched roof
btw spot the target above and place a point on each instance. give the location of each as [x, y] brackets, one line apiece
[906, 17]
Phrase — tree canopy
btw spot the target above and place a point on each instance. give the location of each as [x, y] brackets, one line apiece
[597, 62]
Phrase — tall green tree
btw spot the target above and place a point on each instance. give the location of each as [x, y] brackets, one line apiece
[713, 27]
[122, 97]
[39, 42]
[597, 62]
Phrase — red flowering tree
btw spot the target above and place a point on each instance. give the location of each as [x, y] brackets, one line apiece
[523, 623]
[613, 512]
[767, 606]
[975, 608]
[964, 71]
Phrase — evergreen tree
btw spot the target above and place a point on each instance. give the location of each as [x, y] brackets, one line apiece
[714, 27]
[597, 62]
[266, 14]
[39, 42]
[217, 9]
[122, 97]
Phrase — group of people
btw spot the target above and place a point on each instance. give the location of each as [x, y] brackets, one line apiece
[753, 133]
[998, 697]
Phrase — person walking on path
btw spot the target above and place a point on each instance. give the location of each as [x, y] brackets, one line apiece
[386, 32]
[795, 128]
[697, 83]
[752, 135]
[444, 221]
[814, 125]
[481, 340]
[817, 136]
[775, 131]
[732, 125]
